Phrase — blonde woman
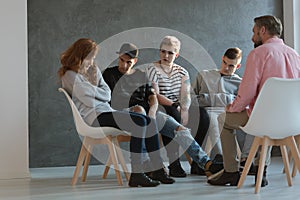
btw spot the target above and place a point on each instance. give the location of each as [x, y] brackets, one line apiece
[172, 85]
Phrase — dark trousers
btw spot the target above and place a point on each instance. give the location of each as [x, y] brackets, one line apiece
[142, 128]
[198, 123]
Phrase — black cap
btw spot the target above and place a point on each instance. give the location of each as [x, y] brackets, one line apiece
[129, 49]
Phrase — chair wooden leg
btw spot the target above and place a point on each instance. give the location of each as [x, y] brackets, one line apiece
[262, 161]
[107, 167]
[295, 152]
[113, 156]
[86, 162]
[80, 160]
[297, 139]
[122, 160]
[289, 159]
[251, 155]
[294, 171]
[286, 164]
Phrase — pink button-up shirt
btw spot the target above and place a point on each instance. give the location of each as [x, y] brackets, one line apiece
[272, 59]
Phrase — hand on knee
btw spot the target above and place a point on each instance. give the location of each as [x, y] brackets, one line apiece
[138, 109]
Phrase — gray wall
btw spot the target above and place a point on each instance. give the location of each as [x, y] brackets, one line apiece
[53, 25]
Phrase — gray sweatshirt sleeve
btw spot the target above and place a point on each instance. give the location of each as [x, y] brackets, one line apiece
[201, 91]
[89, 94]
[210, 89]
[86, 92]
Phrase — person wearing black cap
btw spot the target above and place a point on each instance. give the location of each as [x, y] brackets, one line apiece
[131, 87]
[83, 80]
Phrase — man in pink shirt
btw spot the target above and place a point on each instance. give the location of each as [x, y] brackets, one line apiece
[270, 58]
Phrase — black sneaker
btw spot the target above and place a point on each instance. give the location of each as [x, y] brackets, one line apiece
[227, 178]
[218, 159]
[175, 170]
[196, 170]
[252, 170]
[264, 181]
[215, 166]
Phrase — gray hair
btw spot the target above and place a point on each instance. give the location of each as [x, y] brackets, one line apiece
[271, 23]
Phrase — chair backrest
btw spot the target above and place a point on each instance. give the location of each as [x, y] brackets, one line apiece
[276, 112]
[84, 129]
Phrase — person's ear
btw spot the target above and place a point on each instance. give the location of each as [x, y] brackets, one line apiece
[177, 54]
[238, 66]
[135, 61]
[263, 30]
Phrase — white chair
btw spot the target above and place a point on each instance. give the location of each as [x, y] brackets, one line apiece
[274, 121]
[97, 135]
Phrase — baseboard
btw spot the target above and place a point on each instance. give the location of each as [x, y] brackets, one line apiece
[15, 175]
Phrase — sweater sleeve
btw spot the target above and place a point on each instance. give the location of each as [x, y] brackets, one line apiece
[86, 92]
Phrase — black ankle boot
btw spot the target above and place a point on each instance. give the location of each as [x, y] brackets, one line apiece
[264, 180]
[175, 169]
[231, 178]
[141, 179]
[162, 176]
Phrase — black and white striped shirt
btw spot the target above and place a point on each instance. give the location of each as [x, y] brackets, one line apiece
[169, 86]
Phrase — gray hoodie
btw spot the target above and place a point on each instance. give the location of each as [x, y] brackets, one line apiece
[91, 100]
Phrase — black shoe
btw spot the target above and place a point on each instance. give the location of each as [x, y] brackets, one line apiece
[195, 169]
[162, 176]
[214, 168]
[227, 178]
[252, 170]
[218, 158]
[141, 179]
[264, 180]
[175, 170]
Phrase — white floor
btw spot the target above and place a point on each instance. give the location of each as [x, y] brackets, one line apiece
[54, 183]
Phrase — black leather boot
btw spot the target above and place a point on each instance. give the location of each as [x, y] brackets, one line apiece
[141, 179]
[162, 176]
[227, 178]
[175, 169]
[264, 180]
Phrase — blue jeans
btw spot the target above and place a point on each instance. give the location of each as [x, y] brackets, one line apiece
[167, 126]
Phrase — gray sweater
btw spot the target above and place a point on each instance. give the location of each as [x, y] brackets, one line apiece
[214, 90]
[90, 100]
